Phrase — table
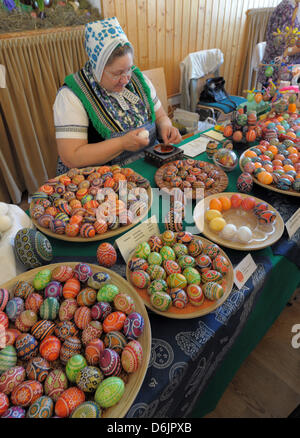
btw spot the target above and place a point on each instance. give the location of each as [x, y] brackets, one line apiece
[192, 361]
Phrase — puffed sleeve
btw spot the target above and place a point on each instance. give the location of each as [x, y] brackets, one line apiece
[155, 99]
[70, 117]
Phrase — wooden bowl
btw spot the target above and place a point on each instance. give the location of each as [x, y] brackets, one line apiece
[135, 380]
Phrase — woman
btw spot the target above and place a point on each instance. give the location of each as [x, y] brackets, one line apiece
[101, 110]
[286, 14]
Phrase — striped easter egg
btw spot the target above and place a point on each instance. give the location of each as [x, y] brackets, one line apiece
[213, 291]
[71, 288]
[26, 393]
[115, 340]
[132, 356]
[70, 347]
[195, 294]
[74, 365]
[14, 308]
[62, 273]
[8, 358]
[4, 297]
[109, 362]
[4, 322]
[42, 328]
[49, 309]
[87, 230]
[68, 401]
[50, 348]
[82, 317]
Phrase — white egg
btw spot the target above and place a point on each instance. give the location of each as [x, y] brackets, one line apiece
[5, 223]
[229, 231]
[244, 234]
[144, 134]
[3, 208]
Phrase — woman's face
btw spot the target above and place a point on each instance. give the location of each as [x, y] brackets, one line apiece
[117, 74]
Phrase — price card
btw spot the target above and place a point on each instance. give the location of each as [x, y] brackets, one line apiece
[215, 135]
[128, 242]
[243, 271]
[195, 147]
[293, 223]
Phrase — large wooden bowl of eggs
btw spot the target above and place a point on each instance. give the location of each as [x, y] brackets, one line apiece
[92, 203]
[76, 343]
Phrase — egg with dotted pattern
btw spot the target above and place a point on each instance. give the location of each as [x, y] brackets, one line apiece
[32, 248]
[109, 392]
[41, 408]
[55, 384]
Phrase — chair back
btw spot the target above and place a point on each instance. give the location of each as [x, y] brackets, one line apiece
[158, 79]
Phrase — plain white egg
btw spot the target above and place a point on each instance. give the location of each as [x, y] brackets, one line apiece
[5, 223]
[229, 231]
[244, 234]
[3, 208]
[144, 134]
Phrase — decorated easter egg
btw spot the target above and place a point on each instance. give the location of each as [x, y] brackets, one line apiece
[26, 346]
[211, 148]
[192, 275]
[156, 272]
[267, 217]
[259, 207]
[161, 300]
[88, 409]
[11, 378]
[14, 412]
[33, 302]
[157, 286]
[70, 399]
[62, 273]
[143, 250]
[211, 250]
[42, 328]
[98, 279]
[155, 243]
[171, 267]
[88, 378]
[4, 403]
[86, 297]
[32, 248]
[23, 289]
[37, 369]
[26, 393]
[100, 310]
[41, 408]
[93, 351]
[195, 294]
[109, 362]
[41, 279]
[25, 320]
[74, 365]
[4, 297]
[11, 335]
[124, 303]
[106, 255]
[244, 183]
[114, 321]
[154, 258]
[211, 275]
[195, 247]
[186, 261]
[133, 325]
[53, 289]
[65, 329]
[184, 237]
[87, 230]
[70, 347]
[213, 291]
[107, 292]
[82, 317]
[55, 384]
[168, 237]
[109, 392]
[180, 249]
[167, 253]
[179, 298]
[115, 340]
[203, 261]
[8, 358]
[137, 263]
[220, 264]
[71, 288]
[49, 308]
[82, 271]
[140, 279]
[92, 331]
[132, 356]
[4, 322]
[176, 281]
[50, 348]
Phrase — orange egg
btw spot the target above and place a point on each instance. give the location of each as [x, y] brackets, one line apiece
[262, 147]
[81, 193]
[289, 177]
[237, 136]
[273, 149]
[76, 219]
[268, 168]
[250, 135]
[288, 167]
[236, 200]
[71, 288]
[250, 154]
[75, 203]
[293, 158]
[258, 97]
[277, 162]
[292, 150]
[277, 168]
[279, 157]
[68, 401]
[291, 134]
[227, 131]
[265, 177]
[280, 118]
[248, 203]
[215, 204]
[257, 165]
[226, 203]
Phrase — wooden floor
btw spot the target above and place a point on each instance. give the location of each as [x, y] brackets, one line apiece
[267, 385]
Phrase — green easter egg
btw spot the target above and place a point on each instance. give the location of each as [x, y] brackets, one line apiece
[74, 365]
[107, 292]
[41, 279]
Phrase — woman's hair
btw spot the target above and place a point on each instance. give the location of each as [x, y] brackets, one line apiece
[118, 52]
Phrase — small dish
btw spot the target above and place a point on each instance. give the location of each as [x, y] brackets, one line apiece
[163, 148]
[226, 159]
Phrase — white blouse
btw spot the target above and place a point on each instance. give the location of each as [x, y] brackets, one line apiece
[70, 117]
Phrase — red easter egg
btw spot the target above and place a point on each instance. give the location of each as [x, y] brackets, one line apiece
[93, 351]
[82, 317]
[11, 378]
[11, 336]
[100, 226]
[248, 203]
[4, 322]
[62, 273]
[71, 288]
[132, 356]
[250, 135]
[236, 200]
[114, 321]
[4, 297]
[50, 348]
[227, 131]
[4, 403]
[72, 230]
[237, 136]
[106, 255]
[33, 302]
[26, 393]
[68, 401]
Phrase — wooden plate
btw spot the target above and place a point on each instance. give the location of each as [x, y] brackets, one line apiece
[135, 380]
[219, 187]
[276, 230]
[289, 192]
[191, 311]
[97, 237]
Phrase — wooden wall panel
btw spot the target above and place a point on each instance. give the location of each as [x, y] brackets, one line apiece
[164, 32]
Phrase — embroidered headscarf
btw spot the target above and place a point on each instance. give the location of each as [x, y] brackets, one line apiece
[101, 39]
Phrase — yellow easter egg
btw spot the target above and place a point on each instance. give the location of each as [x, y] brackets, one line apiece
[211, 214]
[217, 224]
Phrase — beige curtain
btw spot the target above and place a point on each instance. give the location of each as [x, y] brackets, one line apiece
[256, 25]
[36, 64]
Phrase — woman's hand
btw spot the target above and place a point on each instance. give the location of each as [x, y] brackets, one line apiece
[170, 134]
[133, 142]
